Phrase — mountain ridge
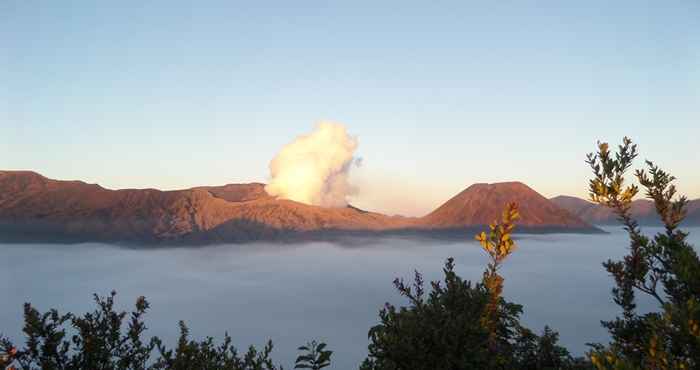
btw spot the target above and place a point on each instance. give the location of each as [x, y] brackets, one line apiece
[36, 208]
[642, 210]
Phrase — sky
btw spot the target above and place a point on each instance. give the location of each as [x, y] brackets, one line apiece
[440, 95]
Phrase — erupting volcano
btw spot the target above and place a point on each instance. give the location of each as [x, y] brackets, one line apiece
[306, 197]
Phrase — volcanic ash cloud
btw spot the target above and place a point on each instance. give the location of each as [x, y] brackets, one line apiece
[314, 168]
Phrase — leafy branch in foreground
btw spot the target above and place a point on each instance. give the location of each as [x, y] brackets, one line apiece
[499, 245]
[664, 267]
[314, 357]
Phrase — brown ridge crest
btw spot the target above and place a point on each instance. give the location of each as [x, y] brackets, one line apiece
[36, 208]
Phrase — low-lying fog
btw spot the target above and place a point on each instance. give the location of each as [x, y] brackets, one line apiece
[295, 293]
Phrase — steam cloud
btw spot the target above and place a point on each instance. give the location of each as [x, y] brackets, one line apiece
[314, 168]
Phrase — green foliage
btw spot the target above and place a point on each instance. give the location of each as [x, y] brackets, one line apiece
[7, 352]
[101, 340]
[100, 343]
[664, 267]
[444, 330]
[191, 354]
[542, 352]
[314, 356]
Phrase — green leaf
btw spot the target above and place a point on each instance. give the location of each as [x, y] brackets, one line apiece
[307, 358]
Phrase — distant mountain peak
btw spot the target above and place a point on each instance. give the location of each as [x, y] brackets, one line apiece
[480, 204]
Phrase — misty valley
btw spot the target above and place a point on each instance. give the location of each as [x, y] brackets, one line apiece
[291, 293]
[349, 185]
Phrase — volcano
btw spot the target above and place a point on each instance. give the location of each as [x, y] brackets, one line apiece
[34, 208]
[480, 204]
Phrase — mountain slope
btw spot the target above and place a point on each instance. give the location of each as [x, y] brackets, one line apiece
[32, 206]
[480, 204]
[693, 217]
[35, 208]
[642, 210]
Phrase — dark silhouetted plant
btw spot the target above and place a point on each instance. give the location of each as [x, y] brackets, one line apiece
[458, 325]
[191, 354]
[314, 356]
[101, 340]
[7, 353]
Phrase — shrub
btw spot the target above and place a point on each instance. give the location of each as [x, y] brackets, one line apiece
[101, 340]
[664, 267]
[460, 325]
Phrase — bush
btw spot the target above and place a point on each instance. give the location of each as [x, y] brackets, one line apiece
[444, 331]
[460, 325]
[101, 340]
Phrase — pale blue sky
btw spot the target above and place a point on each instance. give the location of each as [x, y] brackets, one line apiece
[440, 94]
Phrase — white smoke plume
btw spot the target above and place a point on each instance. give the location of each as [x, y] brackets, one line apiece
[314, 168]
